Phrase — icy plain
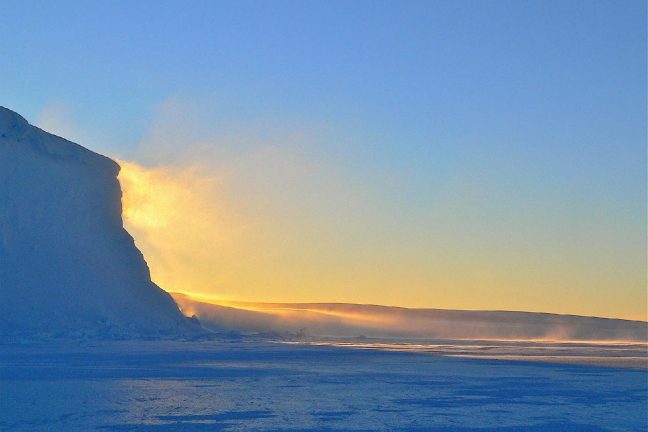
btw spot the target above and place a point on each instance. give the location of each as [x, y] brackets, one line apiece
[72, 281]
[251, 385]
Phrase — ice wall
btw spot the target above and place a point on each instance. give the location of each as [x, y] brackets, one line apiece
[66, 262]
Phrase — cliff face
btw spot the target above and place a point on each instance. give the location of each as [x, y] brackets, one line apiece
[66, 262]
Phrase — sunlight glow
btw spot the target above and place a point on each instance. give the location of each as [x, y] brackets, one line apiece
[177, 222]
[206, 232]
[147, 202]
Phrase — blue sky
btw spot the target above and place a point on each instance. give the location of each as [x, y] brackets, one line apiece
[533, 114]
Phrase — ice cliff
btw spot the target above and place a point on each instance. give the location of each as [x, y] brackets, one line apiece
[67, 265]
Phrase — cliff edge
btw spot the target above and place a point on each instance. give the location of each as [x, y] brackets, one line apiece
[67, 265]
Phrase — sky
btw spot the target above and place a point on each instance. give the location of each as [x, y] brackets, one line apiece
[442, 154]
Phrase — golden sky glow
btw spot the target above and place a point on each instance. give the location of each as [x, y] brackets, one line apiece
[204, 235]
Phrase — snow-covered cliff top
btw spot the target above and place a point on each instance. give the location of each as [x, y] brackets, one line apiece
[15, 129]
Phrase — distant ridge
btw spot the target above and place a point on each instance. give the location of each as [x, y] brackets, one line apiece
[352, 320]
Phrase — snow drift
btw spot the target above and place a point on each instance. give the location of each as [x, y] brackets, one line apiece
[353, 320]
[66, 262]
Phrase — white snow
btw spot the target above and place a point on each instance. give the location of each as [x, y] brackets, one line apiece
[67, 266]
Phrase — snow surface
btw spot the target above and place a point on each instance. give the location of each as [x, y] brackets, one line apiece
[67, 266]
[230, 385]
